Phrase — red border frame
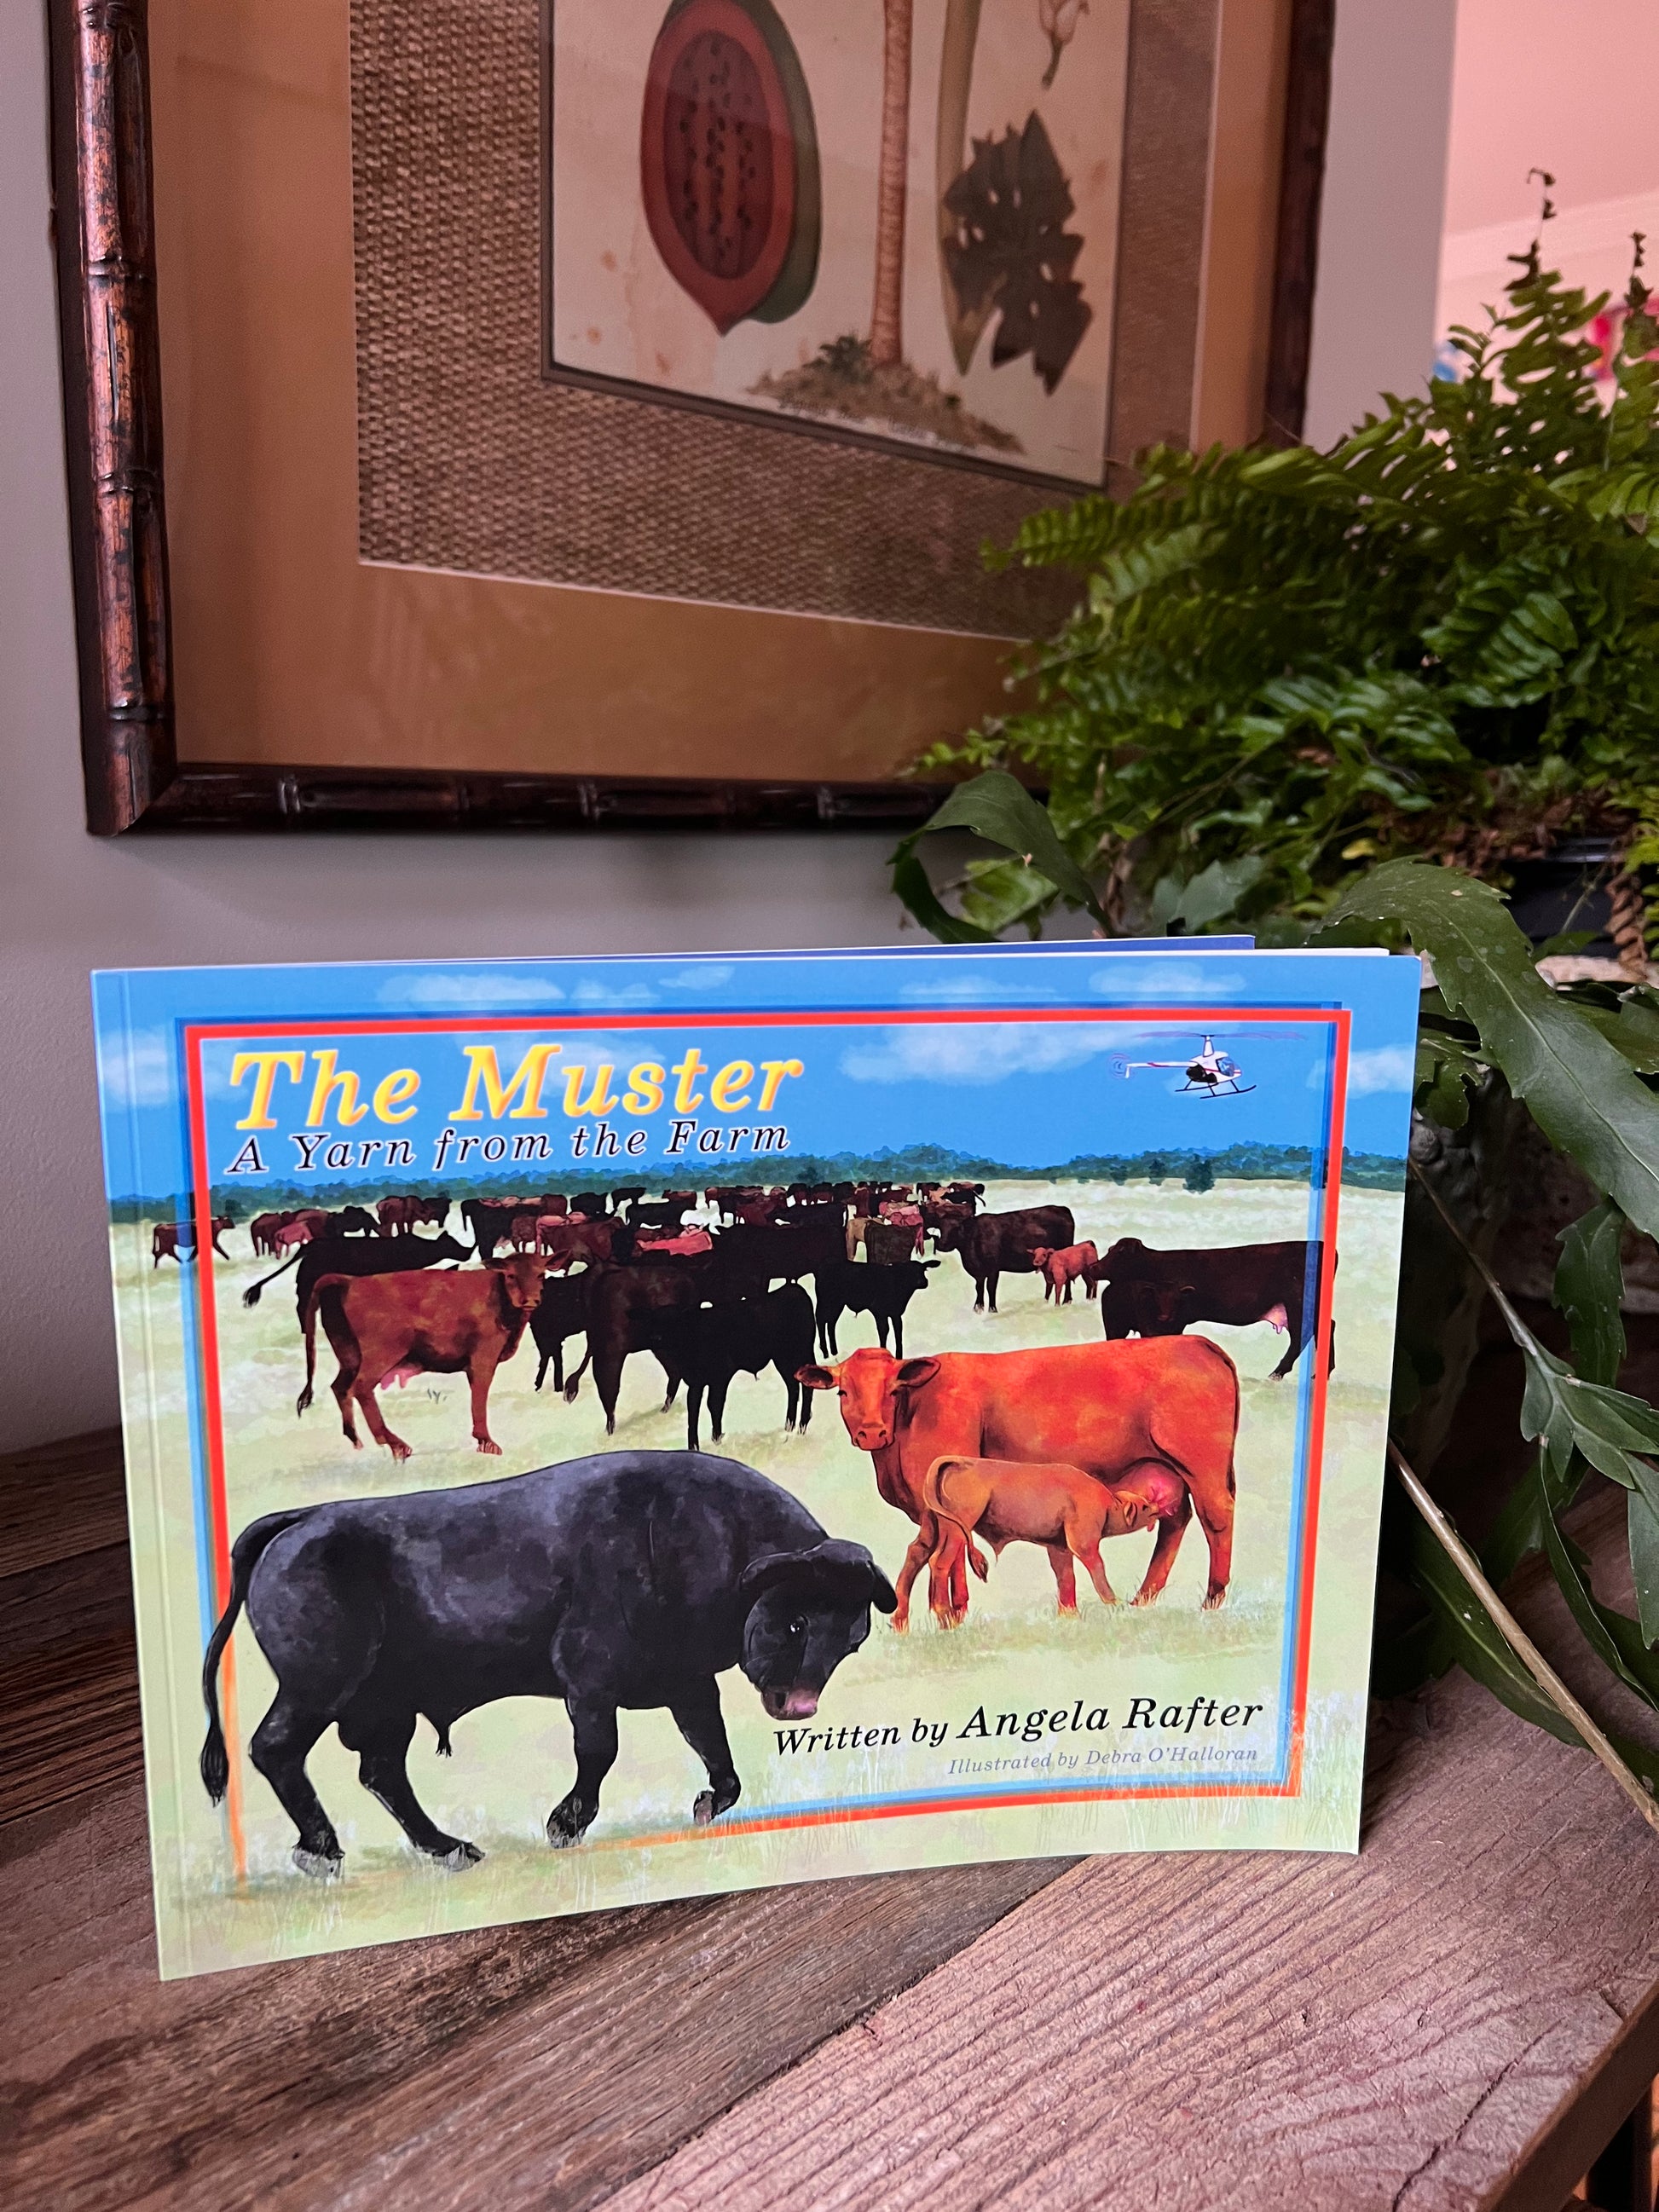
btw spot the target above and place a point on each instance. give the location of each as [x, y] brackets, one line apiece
[1339, 1019]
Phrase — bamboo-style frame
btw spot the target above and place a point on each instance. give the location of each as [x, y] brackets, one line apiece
[108, 316]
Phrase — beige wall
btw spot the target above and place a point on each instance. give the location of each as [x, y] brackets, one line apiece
[1563, 85]
[1552, 85]
[1374, 313]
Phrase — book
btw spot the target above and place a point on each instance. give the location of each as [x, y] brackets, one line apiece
[605, 1430]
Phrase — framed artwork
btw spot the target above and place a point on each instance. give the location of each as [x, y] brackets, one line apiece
[551, 413]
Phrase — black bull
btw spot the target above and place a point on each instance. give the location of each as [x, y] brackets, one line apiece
[628, 1579]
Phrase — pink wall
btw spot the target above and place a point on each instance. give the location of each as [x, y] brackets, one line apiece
[1565, 85]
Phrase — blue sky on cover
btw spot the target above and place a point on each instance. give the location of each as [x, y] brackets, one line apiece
[1027, 1093]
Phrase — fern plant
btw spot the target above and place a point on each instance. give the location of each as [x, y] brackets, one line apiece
[1440, 637]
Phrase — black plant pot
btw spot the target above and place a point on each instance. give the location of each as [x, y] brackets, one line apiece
[1567, 890]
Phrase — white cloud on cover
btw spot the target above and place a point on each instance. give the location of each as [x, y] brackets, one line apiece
[978, 1052]
[1158, 975]
[468, 991]
[615, 995]
[1381, 1067]
[703, 976]
[137, 1068]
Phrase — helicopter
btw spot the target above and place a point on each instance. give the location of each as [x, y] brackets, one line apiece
[1213, 1074]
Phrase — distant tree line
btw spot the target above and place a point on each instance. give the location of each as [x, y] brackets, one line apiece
[1194, 1170]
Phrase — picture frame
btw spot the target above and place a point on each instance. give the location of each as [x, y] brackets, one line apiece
[185, 728]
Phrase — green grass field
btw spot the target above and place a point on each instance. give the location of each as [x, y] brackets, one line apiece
[512, 1761]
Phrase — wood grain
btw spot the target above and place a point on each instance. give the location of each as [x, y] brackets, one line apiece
[69, 1664]
[112, 402]
[536, 2065]
[1457, 2018]
[60, 1500]
[1460, 2017]
[523, 2066]
[223, 795]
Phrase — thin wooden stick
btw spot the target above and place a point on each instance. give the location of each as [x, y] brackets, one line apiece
[1518, 1640]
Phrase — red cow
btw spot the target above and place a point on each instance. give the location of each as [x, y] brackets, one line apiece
[388, 1327]
[689, 1244]
[898, 1215]
[1061, 1269]
[1174, 1408]
[1062, 1509]
[290, 1235]
[262, 1230]
[176, 1239]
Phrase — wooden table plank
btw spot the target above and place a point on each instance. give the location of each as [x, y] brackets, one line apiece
[581, 2050]
[68, 1663]
[1456, 2019]
[59, 1500]
[527, 2066]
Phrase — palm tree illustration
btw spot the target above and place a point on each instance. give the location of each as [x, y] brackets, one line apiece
[868, 379]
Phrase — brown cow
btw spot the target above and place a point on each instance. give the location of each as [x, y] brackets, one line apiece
[1061, 1269]
[390, 1326]
[762, 1213]
[1153, 1293]
[1060, 1507]
[1172, 1401]
[575, 1238]
[262, 1230]
[176, 1239]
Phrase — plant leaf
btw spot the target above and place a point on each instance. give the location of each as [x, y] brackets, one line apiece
[1613, 1635]
[1581, 1091]
[1214, 891]
[1476, 1641]
[1632, 1028]
[1589, 1289]
[999, 808]
[1642, 1526]
[1612, 1429]
[1444, 1072]
[916, 893]
[1480, 1650]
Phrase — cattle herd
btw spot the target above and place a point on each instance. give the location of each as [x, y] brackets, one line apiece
[1061, 1446]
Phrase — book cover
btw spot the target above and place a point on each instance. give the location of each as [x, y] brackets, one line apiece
[609, 1430]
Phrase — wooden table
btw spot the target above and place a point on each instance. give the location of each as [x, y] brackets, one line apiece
[1460, 2017]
